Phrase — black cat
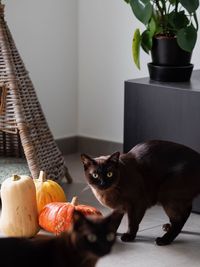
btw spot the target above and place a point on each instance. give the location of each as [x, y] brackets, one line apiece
[82, 247]
[152, 172]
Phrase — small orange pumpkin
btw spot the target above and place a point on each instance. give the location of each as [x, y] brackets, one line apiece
[57, 217]
[47, 191]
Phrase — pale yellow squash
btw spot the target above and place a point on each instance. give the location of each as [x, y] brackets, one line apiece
[19, 215]
[47, 191]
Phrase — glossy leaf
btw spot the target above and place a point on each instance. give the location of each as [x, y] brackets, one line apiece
[190, 5]
[187, 38]
[178, 20]
[173, 2]
[127, 1]
[136, 47]
[142, 9]
[146, 41]
[152, 26]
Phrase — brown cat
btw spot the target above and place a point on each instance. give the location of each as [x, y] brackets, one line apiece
[152, 172]
[82, 247]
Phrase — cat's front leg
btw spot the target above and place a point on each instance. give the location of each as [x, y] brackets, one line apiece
[135, 214]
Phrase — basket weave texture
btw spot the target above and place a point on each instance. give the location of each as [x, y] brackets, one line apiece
[23, 127]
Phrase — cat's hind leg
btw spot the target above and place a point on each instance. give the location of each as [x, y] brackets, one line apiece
[178, 216]
[166, 227]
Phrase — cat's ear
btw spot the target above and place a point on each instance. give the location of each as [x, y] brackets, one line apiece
[114, 157]
[78, 220]
[87, 160]
[114, 220]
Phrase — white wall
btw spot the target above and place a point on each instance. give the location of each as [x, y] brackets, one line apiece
[45, 33]
[78, 53]
[105, 35]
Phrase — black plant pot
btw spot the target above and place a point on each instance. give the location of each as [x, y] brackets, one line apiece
[170, 63]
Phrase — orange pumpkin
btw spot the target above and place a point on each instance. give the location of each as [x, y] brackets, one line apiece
[47, 191]
[57, 217]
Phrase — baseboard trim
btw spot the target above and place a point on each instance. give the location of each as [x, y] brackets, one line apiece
[97, 147]
[68, 145]
[91, 146]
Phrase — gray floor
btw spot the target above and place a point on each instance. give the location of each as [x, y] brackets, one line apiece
[185, 251]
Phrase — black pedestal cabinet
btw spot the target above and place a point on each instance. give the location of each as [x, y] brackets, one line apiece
[166, 111]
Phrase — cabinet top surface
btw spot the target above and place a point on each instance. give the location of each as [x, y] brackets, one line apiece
[192, 85]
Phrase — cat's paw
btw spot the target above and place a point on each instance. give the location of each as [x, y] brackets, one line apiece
[166, 227]
[127, 237]
[161, 241]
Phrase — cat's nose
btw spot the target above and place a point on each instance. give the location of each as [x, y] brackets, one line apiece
[102, 183]
[104, 250]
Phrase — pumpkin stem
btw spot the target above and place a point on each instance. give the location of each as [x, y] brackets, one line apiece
[74, 201]
[42, 176]
[16, 177]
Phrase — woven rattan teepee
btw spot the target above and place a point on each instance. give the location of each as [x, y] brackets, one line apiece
[23, 127]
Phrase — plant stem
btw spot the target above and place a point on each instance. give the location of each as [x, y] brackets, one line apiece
[15, 176]
[162, 18]
[168, 10]
[159, 7]
[176, 6]
[74, 201]
[42, 177]
[164, 7]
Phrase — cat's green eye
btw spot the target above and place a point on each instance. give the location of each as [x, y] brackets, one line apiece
[110, 237]
[95, 175]
[92, 238]
[109, 174]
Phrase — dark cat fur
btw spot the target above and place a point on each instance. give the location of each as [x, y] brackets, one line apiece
[153, 172]
[73, 249]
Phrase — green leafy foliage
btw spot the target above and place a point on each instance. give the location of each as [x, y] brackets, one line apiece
[146, 41]
[152, 26]
[173, 2]
[187, 38]
[136, 47]
[174, 18]
[190, 5]
[147, 36]
[178, 20]
[142, 9]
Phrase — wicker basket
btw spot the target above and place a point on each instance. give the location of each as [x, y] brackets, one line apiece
[23, 127]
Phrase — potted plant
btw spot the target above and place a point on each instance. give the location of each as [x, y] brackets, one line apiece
[170, 35]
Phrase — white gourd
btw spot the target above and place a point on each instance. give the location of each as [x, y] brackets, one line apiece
[19, 216]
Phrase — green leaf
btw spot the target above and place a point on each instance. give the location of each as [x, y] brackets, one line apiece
[146, 41]
[142, 9]
[136, 47]
[190, 5]
[187, 38]
[173, 2]
[127, 1]
[178, 20]
[152, 26]
[159, 30]
[147, 36]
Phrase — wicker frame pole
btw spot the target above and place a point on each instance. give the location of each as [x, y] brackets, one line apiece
[27, 116]
[12, 83]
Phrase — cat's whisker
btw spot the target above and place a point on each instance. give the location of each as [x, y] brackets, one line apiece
[85, 189]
